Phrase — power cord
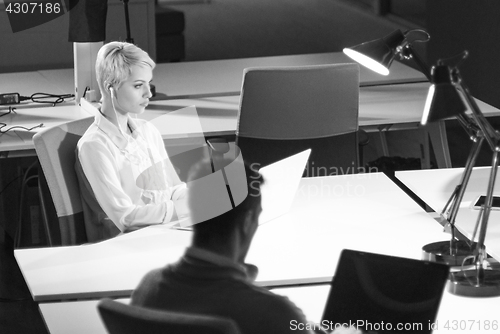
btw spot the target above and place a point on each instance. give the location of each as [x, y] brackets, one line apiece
[15, 98]
[3, 125]
[41, 98]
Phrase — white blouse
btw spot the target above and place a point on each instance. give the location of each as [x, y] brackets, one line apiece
[131, 176]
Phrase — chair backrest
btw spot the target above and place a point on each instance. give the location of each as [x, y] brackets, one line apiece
[285, 110]
[55, 148]
[120, 318]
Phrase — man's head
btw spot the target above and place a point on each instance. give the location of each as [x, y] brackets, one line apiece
[114, 64]
[241, 221]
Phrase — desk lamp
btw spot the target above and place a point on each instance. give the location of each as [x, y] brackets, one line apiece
[378, 55]
[445, 100]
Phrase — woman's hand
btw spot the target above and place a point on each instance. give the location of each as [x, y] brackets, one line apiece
[181, 208]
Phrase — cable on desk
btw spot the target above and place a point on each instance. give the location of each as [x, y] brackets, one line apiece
[11, 110]
[3, 125]
[41, 98]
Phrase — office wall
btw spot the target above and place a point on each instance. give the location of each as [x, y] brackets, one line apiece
[46, 46]
[473, 25]
[226, 29]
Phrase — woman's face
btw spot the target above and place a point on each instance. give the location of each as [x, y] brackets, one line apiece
[133, 94]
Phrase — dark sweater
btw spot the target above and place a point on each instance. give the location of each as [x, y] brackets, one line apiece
[206, 283]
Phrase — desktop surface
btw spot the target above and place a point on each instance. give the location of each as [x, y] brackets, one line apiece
[364, 211]
[224, 77]
[435, 187]
[36, 119]
[455, 315]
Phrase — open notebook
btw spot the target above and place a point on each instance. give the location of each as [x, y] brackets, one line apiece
[385, 294]
[281, 180]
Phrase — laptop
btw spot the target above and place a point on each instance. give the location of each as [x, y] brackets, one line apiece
[281, 180]
[385, 294]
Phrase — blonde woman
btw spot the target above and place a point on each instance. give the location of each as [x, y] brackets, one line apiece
[126, 178]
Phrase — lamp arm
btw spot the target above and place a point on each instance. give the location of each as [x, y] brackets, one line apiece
[458, 193]
[492, 137]
[486, 213]
[411, 53]
[478, 129]
[469, 126]
[489, 133]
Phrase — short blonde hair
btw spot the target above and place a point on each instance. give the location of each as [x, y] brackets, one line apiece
[114, 62]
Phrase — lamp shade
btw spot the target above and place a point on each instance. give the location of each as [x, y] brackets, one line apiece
[443, 100]
[378, 54]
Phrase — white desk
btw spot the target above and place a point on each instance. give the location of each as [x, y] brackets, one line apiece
[79, 317]
[28, 83]
[18, 141]
[110, 268]
[381, 108]
[224, 77]
[187, 79]
[456, 314]
[435, 186]
[384, 107]
[365, 211]
[467, 312]
[389, 106]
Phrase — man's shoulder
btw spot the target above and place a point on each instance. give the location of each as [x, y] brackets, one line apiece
[254, 308]
[148, 286]
[271, 312]
[154, 275]
[262, 296]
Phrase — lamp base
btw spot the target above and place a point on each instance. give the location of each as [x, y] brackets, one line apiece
[441, 252]
[468, 283]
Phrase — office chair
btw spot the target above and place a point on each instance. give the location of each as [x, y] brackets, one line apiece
[29, 178]
[120, 318]
[285, 110]
[55, 148]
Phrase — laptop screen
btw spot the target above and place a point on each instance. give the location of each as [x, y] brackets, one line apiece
[385, 294]
[281, 180]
